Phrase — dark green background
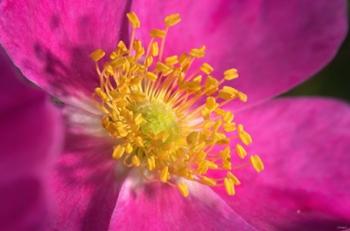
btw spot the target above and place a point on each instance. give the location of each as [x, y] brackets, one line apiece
[333, 80]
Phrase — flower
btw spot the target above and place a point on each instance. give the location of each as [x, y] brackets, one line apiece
[51, 43]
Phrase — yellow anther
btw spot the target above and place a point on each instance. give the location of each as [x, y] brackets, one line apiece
[229, 127]
[230, 74]
[114, 55]
[135, 160]
[151, 163]
[202, 167]
[138, 46]
[211, 85]
[172, 20]
[122, 131]
[149, 61]
[183, 58]
[198, 52]
[212, 165]
[100, 93]
[136, 81]
[138, 119]
[220, 112]
[229, 186]
[244, 136]
[122, 47]
[118, 152]
[97, 55]
[197, 79]
[152, 76]
[183, 188]
[227, 116]
[133, 19]
[157, 33]
[227, 93]
[155, 49]
[221, 138]
[193, 87]
[211, 103]
[208, 181]
[201, 156]
[193, 138]
[227, 165]
[241, 152]
[217, 125]
[164, 174]
[128, 148]
[206, 68]
[185, 62]
[234, 179]
[257, 163]
[139, 141]
[163, 68]
[243, 97]
[226, 153]
[171, 60]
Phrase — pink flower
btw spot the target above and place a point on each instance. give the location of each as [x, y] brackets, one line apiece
[274, 45]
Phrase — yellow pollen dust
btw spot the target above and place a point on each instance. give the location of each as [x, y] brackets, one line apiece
[165, 118]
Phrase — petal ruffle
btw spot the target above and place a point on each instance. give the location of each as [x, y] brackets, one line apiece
[50, 41]
[157, 206]
[30, 138]
[305, 186]
[85, 185]
[273, 44]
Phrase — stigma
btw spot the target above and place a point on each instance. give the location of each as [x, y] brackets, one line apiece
[167, 119]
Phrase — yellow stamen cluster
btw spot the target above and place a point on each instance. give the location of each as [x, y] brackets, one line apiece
[149, 109]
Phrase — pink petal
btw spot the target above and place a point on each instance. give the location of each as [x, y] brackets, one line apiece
[50, 41]
[14, 91]
[275, 45]
[156, 206]
[305, 186]
[30, 138]
[85, 185]
[23, 205]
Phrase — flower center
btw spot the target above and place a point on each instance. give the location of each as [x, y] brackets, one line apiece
[153, 108]
[159, 118]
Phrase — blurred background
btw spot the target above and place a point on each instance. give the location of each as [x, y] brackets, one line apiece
[333, 80]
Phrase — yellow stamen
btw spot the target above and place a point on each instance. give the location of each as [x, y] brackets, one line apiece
[257, 163]
[134, 20]
[243, 135]
[231, 74]
[198, 52]
[227, 93]
[156, 33]
[241, 152]
[165, 118]
[97, 55]
[208, 181]
[183, 188]
[172, 20]
[206, 68]
[229, 186]
[118, 152]
[164, 175]
[135, 161]
[233, 178]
